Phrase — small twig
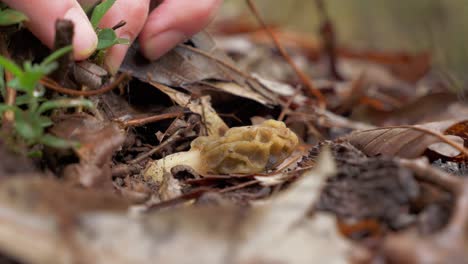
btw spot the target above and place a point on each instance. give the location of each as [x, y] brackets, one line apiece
[311, 90]
[231, 115]
[52, 85]
[189, 101]
[156, 149]
[11, 93]
[239, 186]
[213, 177]
[284, 166]
[288, 104]
[327, 30]
[119, 25]
[8, 116]
[355, 95]
[173, 123]
[150, 119]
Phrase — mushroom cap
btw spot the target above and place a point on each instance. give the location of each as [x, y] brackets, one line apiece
[248, 149]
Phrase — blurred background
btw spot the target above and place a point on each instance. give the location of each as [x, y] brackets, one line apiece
[438, 26]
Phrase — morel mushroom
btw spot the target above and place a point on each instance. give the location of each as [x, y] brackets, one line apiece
[242, 150]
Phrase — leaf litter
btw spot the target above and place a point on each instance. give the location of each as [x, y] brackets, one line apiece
[374, 170]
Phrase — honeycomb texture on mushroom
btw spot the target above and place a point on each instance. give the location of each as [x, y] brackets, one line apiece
[249, 149]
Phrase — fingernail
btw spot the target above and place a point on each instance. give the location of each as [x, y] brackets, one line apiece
[161, 43]
[116, 55]
[84, 39]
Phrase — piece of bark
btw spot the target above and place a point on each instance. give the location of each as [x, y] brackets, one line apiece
[64, 32]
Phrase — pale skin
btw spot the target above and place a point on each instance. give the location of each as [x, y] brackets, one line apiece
[158, 30]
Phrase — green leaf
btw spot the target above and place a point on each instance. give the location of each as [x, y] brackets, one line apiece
[57, 142]
[11, 66]
[28, 81]
[23, 99]
[99, 12]
[35, 154]
[106, 38]
[5, 107]
[15, 84]
[44, 121]
[45, 68]
[10, 17]
[63, 103]
[56, 54]
[28, 128]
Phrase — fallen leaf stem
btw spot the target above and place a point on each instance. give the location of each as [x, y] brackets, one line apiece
[239, 186]
[52, 85]
[10, 92]
[302, 76]
[156, 149]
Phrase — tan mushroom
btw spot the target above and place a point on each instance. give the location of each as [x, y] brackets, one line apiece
[242, 150]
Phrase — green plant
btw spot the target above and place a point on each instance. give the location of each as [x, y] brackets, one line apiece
[9, 16]
[29, 111]
[106, 36]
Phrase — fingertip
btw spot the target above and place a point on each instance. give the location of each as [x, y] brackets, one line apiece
[173, 22]
[85, 39]
[156, 46]
[134, 13]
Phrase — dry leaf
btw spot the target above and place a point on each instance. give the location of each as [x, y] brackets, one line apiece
[214, 124]
[404, 142]
[282, 233]
[98, 142]
[236, 89]
[277, 232]
[186, 65]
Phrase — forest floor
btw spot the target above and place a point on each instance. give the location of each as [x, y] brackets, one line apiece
[247, 144]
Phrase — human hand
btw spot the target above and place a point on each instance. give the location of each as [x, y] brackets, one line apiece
[170, 23]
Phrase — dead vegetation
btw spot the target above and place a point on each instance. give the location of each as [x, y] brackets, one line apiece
[183, 160]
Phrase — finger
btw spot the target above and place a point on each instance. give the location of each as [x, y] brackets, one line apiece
[42, 15]
[174, 21]
[134, 13]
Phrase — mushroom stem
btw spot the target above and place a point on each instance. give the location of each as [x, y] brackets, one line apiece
[190, 158]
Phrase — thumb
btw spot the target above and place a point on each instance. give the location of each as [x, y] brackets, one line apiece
[42, 15]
